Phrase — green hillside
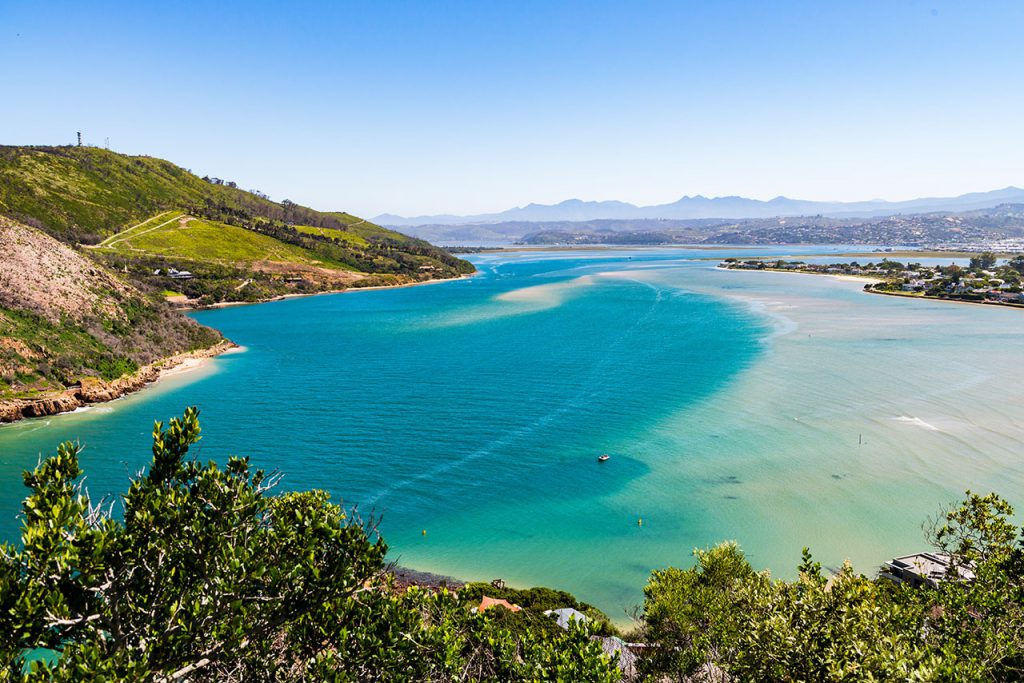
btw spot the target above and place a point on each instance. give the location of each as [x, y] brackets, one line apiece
[178, 235]
[84, 193]
[148, 217]
[344, 235]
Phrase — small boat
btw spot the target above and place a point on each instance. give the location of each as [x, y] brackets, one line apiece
[603, 458]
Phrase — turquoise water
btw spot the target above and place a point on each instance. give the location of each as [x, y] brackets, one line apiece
[777, 409]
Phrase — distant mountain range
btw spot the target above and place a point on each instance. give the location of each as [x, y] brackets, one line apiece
[716, 207]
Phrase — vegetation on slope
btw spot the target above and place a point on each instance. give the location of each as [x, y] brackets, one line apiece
[535, 601]
[192, 239]
[82, 194]
[146, 214]
[209, 575]
[68, 312]
[343, 235]
[63, 318]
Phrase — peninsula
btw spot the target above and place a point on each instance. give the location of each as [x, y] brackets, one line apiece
[98, 249]
[983, 281]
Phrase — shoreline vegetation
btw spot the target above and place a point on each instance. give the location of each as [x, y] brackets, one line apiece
[292, 587]
[195, 306]
[985, 281]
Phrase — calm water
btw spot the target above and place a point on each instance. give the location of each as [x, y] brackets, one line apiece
[776, 409]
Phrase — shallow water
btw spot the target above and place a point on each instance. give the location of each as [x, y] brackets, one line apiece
[780, 410]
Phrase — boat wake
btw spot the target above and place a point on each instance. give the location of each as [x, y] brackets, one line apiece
[916, 422]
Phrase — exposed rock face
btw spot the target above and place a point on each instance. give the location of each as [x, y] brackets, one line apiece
[97, 391]
[40, 407]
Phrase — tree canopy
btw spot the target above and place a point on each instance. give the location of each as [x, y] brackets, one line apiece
[985, 259]
[725, 621]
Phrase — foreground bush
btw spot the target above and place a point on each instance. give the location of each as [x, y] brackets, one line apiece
[724, 621]
[213, 577]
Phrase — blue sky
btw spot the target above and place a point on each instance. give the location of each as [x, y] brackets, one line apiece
[464, 107]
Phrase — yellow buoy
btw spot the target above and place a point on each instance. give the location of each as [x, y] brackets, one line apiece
[640, 521]
[424, 532]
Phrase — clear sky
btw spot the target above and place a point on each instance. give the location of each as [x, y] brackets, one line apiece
[464, 107]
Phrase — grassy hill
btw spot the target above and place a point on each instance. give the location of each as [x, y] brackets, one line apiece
[81, 194]
[145, 216]
[177, 235]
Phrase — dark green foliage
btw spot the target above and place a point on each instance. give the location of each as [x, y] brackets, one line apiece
[209, 576]
[71, 352]
[686, 610]
[537, 598]
[984, 260]
[722, 616]
[110, 367]
[893, 266]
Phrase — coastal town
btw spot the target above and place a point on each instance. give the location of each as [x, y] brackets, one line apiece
[985, 279]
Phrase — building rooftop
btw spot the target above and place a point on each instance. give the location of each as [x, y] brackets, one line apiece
[488, 602]
[566, 614]
[924, 568]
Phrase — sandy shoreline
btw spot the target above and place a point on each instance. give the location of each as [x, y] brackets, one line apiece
[192, 362]
[870, 280]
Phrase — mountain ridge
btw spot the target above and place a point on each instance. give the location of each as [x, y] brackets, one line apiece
[723, 207]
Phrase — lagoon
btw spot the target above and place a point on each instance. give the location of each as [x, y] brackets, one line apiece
[780, 410]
